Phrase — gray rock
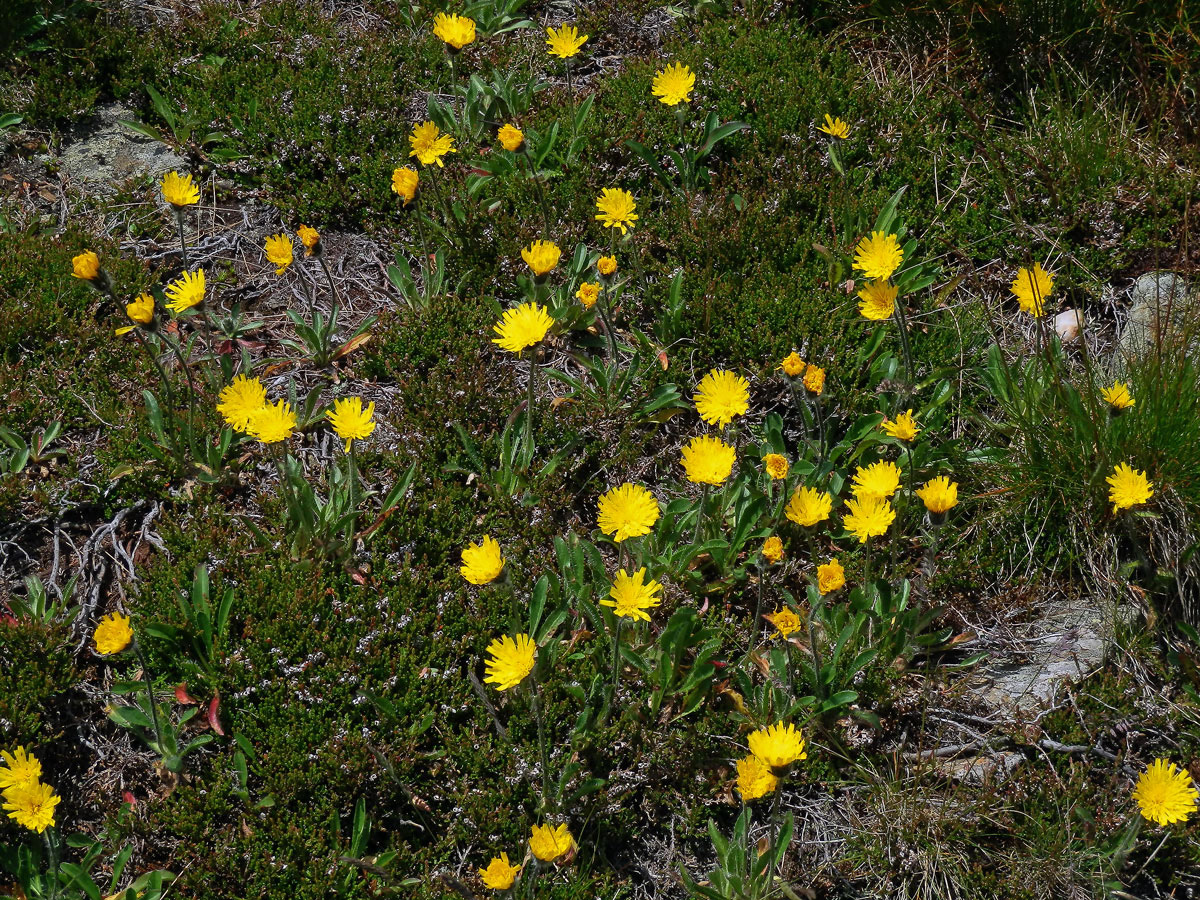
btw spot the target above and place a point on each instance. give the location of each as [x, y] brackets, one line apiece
[979, 770]
[113, 153]
[1160, 303]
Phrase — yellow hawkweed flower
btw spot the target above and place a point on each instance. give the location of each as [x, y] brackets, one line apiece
[112, 634]
[429, 145]
[272, 423]
[627, 511]
[778, 745]
[792, 365]
[1129, 487]
[140, 311]
[565, 41]
[904, 428]
[453, 30]
[630, 598]
[772, 549]
[482, 562]
[1031, 288]
[776, 465]
[31, 805]
[86, 266]
[186, 291]
[720, 396]
[588, 293]
[240, 400]
[1118, 397]
[881, 479]
[279, 251]
[511, 138]
[830, 577]
[616, 209]
[808, 506]
[179, 191]
[309, 237]
[19, 767]
[606, 265]
[351, 420]
[674, 84]
[879, 255]
[785, 621]
[500, 873]
[1165, 794]
[868, 517]
[404, 182]
[511, 661]
[548, 843]
[939, 494]
[814, 379]
[755, 779]
[541, 257]
[522, 327]
[708, 460]
[835, 127]
[878, 300]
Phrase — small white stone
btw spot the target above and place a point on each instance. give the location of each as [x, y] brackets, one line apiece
[1068, 324]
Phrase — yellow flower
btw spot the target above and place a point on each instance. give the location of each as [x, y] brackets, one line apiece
[835, 127]
[755, 779]
[868, 517]
[588, 293]
[630, 598]
[830, 576]
[1118, 397]
[429, 145]
[904, 428]
[511, 138]
[808, 506]
[1031, 288]
[239, 401]
[271, 424]
[772, 549]
[511, 661]
[814, 379]
[179, 191]
[112, 634]
[564, 42]
[616, 208]
[404, 182]
[1129, 487]
[482, 562]
[31, 804]
[720, 396]
[279, 251]
[351, 420]
[708, 460]
[785, 621]
[86, 266]
[186, 291]
[310, 237]
[881, 479]
[878, 300]
[674, 84]
[606, 265]
[778, 745]
[1165, 794]
[541, 257]
[500, 873]
[454, 30]
[879, 255]
[627, 511]
[549, 843]
[792, 364]
[776, 465]
[939, 494]
[522, 327]
[19, 767]
[140, 310]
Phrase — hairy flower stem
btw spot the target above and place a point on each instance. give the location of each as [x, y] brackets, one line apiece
[337, 297]
[775, 805]
[187, 372]
[616, 668]
[571, 93]
[902, 328]
[867, 592]
[447, 218]
[537, 186]
[166, 383]
[50, 836]
[930, 563]
[756, 625]
[814, 649]
[182, 244]
[700, 515]
[529, 402]
[137, 648]
[535, 690]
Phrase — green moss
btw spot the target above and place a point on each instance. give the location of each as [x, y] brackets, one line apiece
[37, 668]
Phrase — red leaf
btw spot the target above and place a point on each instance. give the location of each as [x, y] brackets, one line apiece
[214, 720]
[182, 696]
[129, 798]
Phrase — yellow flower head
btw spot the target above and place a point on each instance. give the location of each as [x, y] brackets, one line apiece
[878, 300]
[708, 460]
[186, 291]
[112, 634]
[429, 145]
[511, 138]
[835, 127]
[279, 251]
[272, 423]
[179, 191]
[588, 293]
[868, 517]
[720, 396]
[808, 506]
[939, 494]
[522, 327]
[482, 562]
[31, 804]
[881, 479]
[239, 401]
[778, 745]
[1165, 794]
[627, 511]
[140, 310]
[1129, 487]
[511, 661]
[606, 265]
[755, 779]
[405, 181]
[830, 577]
[549, 843]
[500, 873]
[785, 621]
[772, 549]
[879, 255]
[1118, 397]
[616, 209]
[19, 767]
[564, 42]
[814, 379]
[792, 365]
[630, 598]
[541, 257]
[776, 465]
[1031, 288]
[351, 420]
[309, 237]
[86, 266]
[904, 428]
[454, 30]
[674, 84]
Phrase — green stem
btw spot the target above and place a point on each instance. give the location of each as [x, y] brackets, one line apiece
[50, 836]
[182, 244]
[529, 405]
[534, 691]
[756, 624]
[902, 327]
[616, 668]
[187, 372]
[150, 697]
[337, 297]
[571, 92]
[700, 514]
[537, 186]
